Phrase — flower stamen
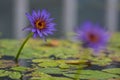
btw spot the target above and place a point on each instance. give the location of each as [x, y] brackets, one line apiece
[40, 24]
[93, 37]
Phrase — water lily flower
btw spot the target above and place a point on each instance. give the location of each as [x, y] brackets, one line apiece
[41, 23]
[92, 36]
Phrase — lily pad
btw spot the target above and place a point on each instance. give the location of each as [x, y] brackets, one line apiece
[101, 62]
[50, 78]
[93, 74]
[48, 64]
[113, 70]
[11, 74]
[15, 75]
[19, 68]
[3, 73]
[39, 60]
[51, 70]
[64, 66]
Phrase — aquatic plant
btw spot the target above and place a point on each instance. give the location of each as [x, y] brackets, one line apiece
[92, 36]
[41, 25]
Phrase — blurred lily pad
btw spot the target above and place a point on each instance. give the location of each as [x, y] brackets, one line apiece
[15, 75]
[19, 68]
[3, 73]
[50, 78]
[64, 66]
[101, 62]
[49, 63]
[39, 60]
[51, 70]
[76, 62]
[113, 70]
[93, 74]
[11, 74]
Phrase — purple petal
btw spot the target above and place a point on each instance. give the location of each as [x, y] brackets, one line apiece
[51, 24]
[45, 33]
[39, 33]
[34, 30]
[43, 13]
[35, 35]
[29, 17]
[27, 29]
[34, 14]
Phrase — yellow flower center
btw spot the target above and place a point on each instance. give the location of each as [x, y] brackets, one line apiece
[40, 24]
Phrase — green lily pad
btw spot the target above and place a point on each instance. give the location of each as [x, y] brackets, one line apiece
[19, 68]
[93, 74]
[3, 73]
[39, 60]
[15, 75]
[51, 70]
[113, 70]
[49, 63]
[55, 78]
[11, 74]
[102, 62]
[50, 78]
[38, 74]
[64, 66]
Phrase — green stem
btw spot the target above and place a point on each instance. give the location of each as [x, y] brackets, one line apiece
[21, 47]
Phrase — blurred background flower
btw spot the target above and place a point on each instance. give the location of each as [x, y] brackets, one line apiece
[92, 36]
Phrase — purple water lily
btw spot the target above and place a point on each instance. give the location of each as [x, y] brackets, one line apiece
[92, 36]
[41, 23]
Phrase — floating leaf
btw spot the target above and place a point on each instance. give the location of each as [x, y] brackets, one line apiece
[39, 74]
[64, 66]
[51, 70]
[93, 74]
[48, 64]
[56, 78]
[2, 73]
[102, 62]
[19, 68]
[76, 62]
[39, 60]
[15, 75]
[60, 61]
[49, 78]
[35, 78]
[113, 70]
[11, 74]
